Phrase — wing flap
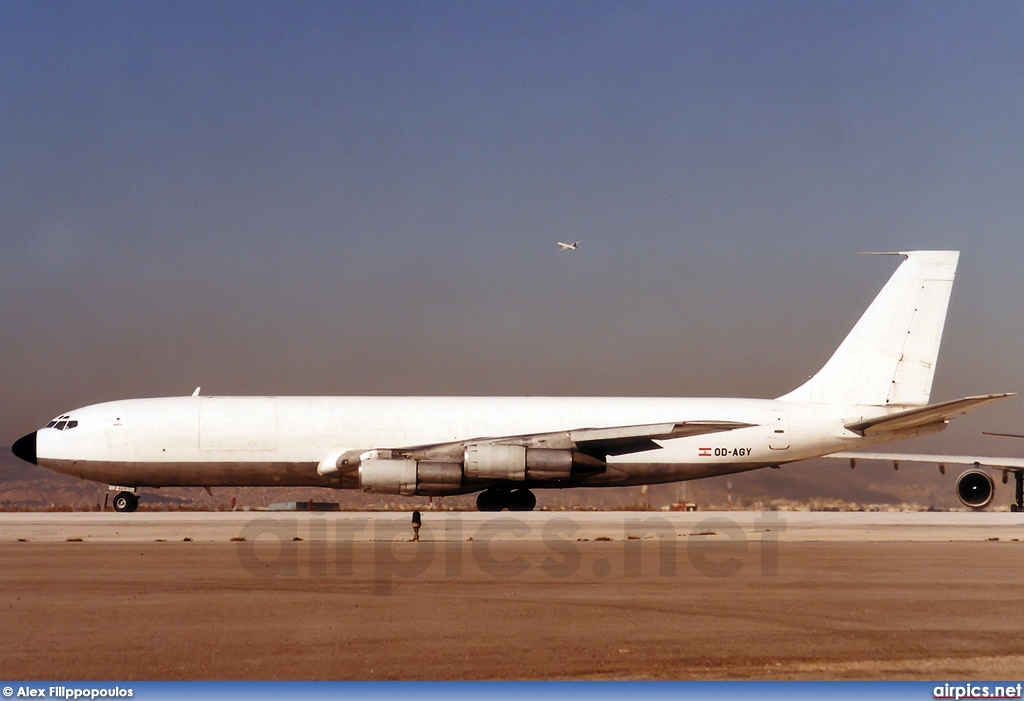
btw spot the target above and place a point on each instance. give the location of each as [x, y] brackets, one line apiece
[636, 439]
[923, 416]
[615, 440]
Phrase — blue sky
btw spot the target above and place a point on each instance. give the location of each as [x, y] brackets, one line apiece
[335, 198]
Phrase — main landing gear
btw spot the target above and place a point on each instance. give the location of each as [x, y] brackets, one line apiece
[1018, 476]
[125, 502]
[511, 499]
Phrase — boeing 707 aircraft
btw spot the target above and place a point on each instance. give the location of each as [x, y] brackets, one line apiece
[874, 389]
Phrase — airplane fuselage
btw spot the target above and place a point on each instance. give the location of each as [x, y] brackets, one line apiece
[281, 441]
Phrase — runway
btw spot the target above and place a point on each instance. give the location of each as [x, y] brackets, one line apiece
[786, 526]
[542, 595]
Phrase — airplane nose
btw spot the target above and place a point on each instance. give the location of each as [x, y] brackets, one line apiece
[25, 448]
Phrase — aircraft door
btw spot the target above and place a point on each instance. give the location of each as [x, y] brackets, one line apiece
[238, 423]
[117, 436]
[779, 437]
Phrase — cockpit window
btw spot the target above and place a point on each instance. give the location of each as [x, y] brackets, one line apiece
[51, 424]
[72, 424]
[61, 423]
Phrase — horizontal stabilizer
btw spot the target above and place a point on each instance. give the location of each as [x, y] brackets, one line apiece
[915, 418]
[983, 461]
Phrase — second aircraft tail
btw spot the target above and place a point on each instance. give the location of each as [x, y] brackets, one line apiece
[888, 359]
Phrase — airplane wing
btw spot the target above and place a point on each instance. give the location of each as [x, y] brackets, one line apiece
[617, 440]
[1006, 464]
[923, 416]
[591, 445]
[622, 440]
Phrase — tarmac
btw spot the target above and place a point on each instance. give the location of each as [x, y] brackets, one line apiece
[786, 526]
[539, 595]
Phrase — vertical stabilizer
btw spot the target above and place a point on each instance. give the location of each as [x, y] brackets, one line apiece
[888, 359]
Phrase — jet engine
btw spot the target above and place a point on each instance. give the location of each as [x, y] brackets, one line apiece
[382, 472]
[975, 489]
[516, 463]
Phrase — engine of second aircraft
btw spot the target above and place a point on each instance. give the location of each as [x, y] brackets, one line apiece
[975, 488]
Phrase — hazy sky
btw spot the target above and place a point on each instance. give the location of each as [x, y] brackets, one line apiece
[335, 198]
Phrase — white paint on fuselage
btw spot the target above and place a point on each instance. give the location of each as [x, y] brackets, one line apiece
[302, 431]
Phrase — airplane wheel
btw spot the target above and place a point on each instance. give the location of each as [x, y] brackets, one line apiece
[1014, 508]
[491, 500]
[126, 502]
[522, 500]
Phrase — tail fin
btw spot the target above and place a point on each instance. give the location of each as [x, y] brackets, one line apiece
[888, 359]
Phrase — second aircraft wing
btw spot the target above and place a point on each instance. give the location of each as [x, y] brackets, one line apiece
[998, 463]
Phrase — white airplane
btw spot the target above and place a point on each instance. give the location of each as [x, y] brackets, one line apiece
[975, 488]
[874, 389]
[568, 246]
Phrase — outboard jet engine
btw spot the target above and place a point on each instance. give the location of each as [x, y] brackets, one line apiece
[975, 488]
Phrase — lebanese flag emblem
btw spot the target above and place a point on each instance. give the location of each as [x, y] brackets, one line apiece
[704, 452]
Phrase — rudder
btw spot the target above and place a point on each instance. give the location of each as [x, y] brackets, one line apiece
[888, 358]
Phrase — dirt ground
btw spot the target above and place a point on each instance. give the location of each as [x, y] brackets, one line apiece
[591, 610]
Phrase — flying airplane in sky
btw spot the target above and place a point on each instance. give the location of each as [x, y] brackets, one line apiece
[874, 389]
[568, 246]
